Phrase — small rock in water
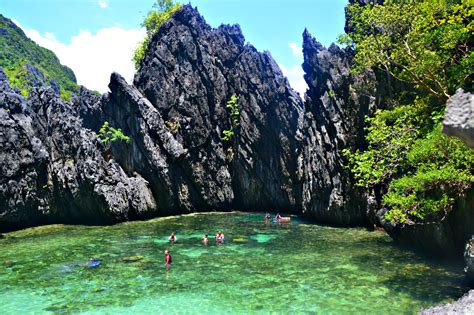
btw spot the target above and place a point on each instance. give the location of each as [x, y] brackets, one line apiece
[8, 263]
[132, 259]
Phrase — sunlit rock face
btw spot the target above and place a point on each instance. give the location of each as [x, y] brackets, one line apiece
[54, 170]
[188, 75]
[459, 117]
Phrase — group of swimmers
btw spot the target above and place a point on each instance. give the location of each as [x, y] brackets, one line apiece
[277, 219]
[220, 237]
[172, 238]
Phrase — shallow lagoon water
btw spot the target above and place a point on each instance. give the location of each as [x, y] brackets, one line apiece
[289, 268]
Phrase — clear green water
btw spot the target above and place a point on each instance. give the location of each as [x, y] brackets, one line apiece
[292, 268]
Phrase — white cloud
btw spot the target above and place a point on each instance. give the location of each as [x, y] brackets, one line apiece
[93, 57]
[296, 50]
[103, 4]
[295, 77]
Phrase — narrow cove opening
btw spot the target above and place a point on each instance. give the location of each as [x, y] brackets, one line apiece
[293, 267]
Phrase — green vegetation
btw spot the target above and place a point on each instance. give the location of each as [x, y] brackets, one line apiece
[416, 171]
[173, 125]
[109, 134]
[162, 11]
[18, 51]
[233, 106]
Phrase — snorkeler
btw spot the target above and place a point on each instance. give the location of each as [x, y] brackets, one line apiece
[93, 262]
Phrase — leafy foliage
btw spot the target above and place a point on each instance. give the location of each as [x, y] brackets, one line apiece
[428, 43]
[109, 134]
[232, 105]
[18, 50]
[418, 171]
[162, 11]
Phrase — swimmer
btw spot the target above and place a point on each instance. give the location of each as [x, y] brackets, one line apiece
[172, 237]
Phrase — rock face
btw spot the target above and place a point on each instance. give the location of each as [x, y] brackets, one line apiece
[189, 74]
[336, 104]
[53, 170]
[446, 238]
[459, 117]
[463, 306]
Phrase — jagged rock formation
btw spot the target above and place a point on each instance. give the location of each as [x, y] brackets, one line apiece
[188, 75]
[336, 104]
[53, 170]
[459, 117]
[175, 115]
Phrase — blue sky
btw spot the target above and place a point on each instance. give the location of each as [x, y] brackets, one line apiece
[95, 37]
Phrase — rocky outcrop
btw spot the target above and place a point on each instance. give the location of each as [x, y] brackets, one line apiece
[459, 117]
[445, 238]
[53, 170]
[56, 170]
[469, 260]
[463, 306]
[189, 74]
[336, 104]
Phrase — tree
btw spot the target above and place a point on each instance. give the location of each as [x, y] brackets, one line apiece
[428, 43]
[162, 11]
[416, 172]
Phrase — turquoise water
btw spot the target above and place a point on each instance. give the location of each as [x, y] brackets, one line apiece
[290, 268]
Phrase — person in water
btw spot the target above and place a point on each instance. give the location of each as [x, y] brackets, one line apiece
[168, 260]
[92, 262]
[220, 237]
[172, 238]
[267, 217]
[205, 239]
[277, 217]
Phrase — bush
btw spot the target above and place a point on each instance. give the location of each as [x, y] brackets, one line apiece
[162, 11]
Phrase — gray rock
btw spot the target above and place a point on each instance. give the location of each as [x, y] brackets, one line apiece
[463, 306]
[336, 104]
[53, 170]
[188, 75]
[469, 259]
[459, 117]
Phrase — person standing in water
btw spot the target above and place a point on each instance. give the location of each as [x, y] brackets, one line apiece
[267, 217]
[205, 240]
[172, 238]
[220, 237]
[167, 259]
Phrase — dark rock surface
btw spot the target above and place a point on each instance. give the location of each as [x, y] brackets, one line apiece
[53, 170]
[446, 238]
[463, 306]
[336, 103]
[459, 117]
[189, 74]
